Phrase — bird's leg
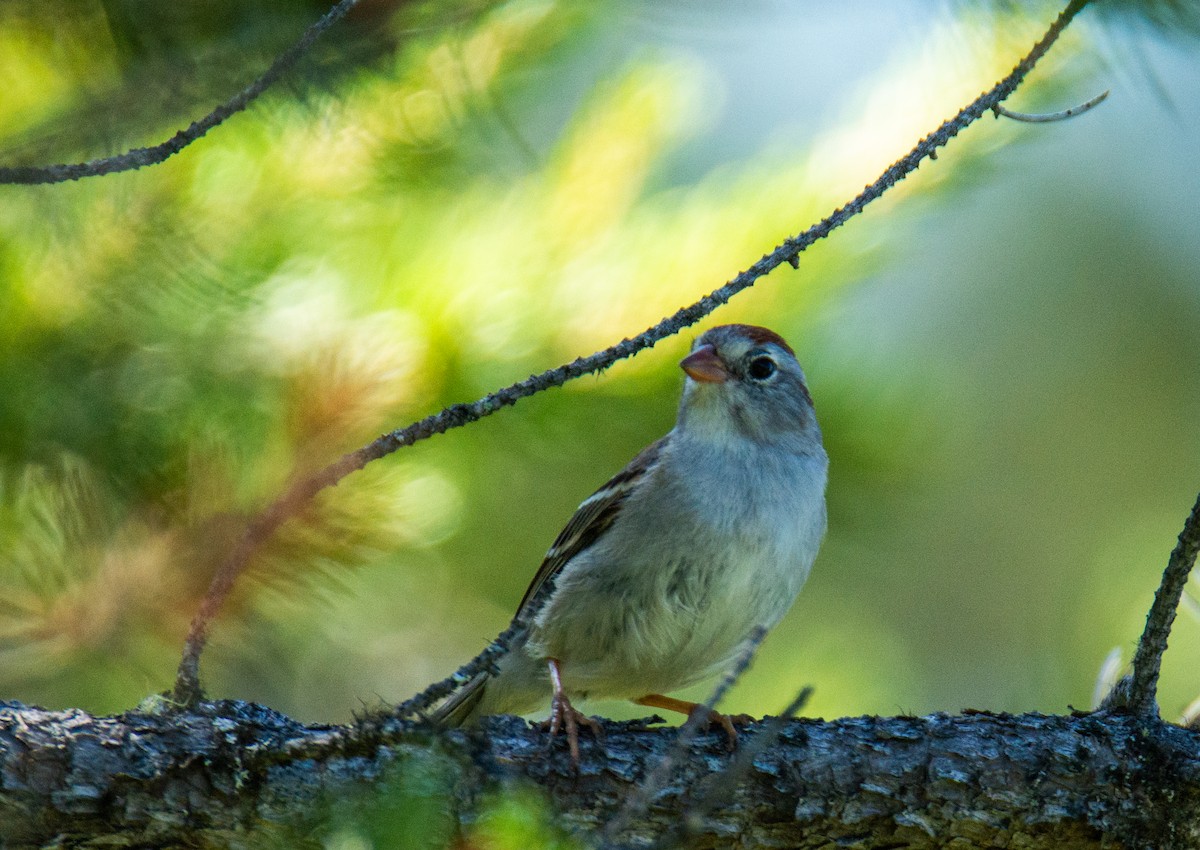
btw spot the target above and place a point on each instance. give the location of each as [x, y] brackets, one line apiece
[714, 718]
[564, 716]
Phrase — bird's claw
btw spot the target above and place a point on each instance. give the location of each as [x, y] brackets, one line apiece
[564, 716]
[728, 722]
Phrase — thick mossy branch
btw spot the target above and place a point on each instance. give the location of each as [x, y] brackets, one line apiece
[213, 778]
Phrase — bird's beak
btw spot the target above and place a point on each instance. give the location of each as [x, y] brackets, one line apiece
[705, 366]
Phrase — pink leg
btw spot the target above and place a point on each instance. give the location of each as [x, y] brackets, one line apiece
[564, 716]
[714, 718]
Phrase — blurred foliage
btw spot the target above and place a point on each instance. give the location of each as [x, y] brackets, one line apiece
[409, 810]
[517, 821]
[1173, 18]
[446, 198]
[406, 808]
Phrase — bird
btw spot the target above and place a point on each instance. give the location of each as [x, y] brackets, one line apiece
[662, 575]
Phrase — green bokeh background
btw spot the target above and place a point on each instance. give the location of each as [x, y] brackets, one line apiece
[443, 199]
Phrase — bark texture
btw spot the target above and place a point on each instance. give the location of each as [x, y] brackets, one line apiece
[234, 774]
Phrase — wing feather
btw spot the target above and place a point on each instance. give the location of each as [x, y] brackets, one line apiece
[591, 519]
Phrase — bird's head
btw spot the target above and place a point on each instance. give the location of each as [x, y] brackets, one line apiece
[744, 382]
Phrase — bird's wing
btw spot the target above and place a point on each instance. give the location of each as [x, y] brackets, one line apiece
[460, 708]
[592, 518]
[597, 513]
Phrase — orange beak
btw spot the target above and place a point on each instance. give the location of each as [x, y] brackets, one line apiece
[705, 366]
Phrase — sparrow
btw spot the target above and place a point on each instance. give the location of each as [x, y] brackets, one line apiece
[663, 574]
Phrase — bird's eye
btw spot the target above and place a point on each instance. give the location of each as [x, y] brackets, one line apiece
[762, 368]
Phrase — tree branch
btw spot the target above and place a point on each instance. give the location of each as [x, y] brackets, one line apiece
[1143, 688]
[153, 155]
[1030, 781]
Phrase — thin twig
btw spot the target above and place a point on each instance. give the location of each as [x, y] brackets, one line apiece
[639, 801]
[139, 157]
[722, 786]
[187, 685]
[1148, 659]
[380, 728]
[421, 702]
[1046, 117]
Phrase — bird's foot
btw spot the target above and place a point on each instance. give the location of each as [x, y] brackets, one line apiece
[564, 716]
[706, 717]
[728, 722]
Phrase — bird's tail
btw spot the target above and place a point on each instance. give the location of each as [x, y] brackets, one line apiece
[461, 708]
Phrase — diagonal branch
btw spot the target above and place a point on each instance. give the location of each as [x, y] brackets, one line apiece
[153, 155]
[187, 686]
[637, 803]
[1140, 698]
[722, 786]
